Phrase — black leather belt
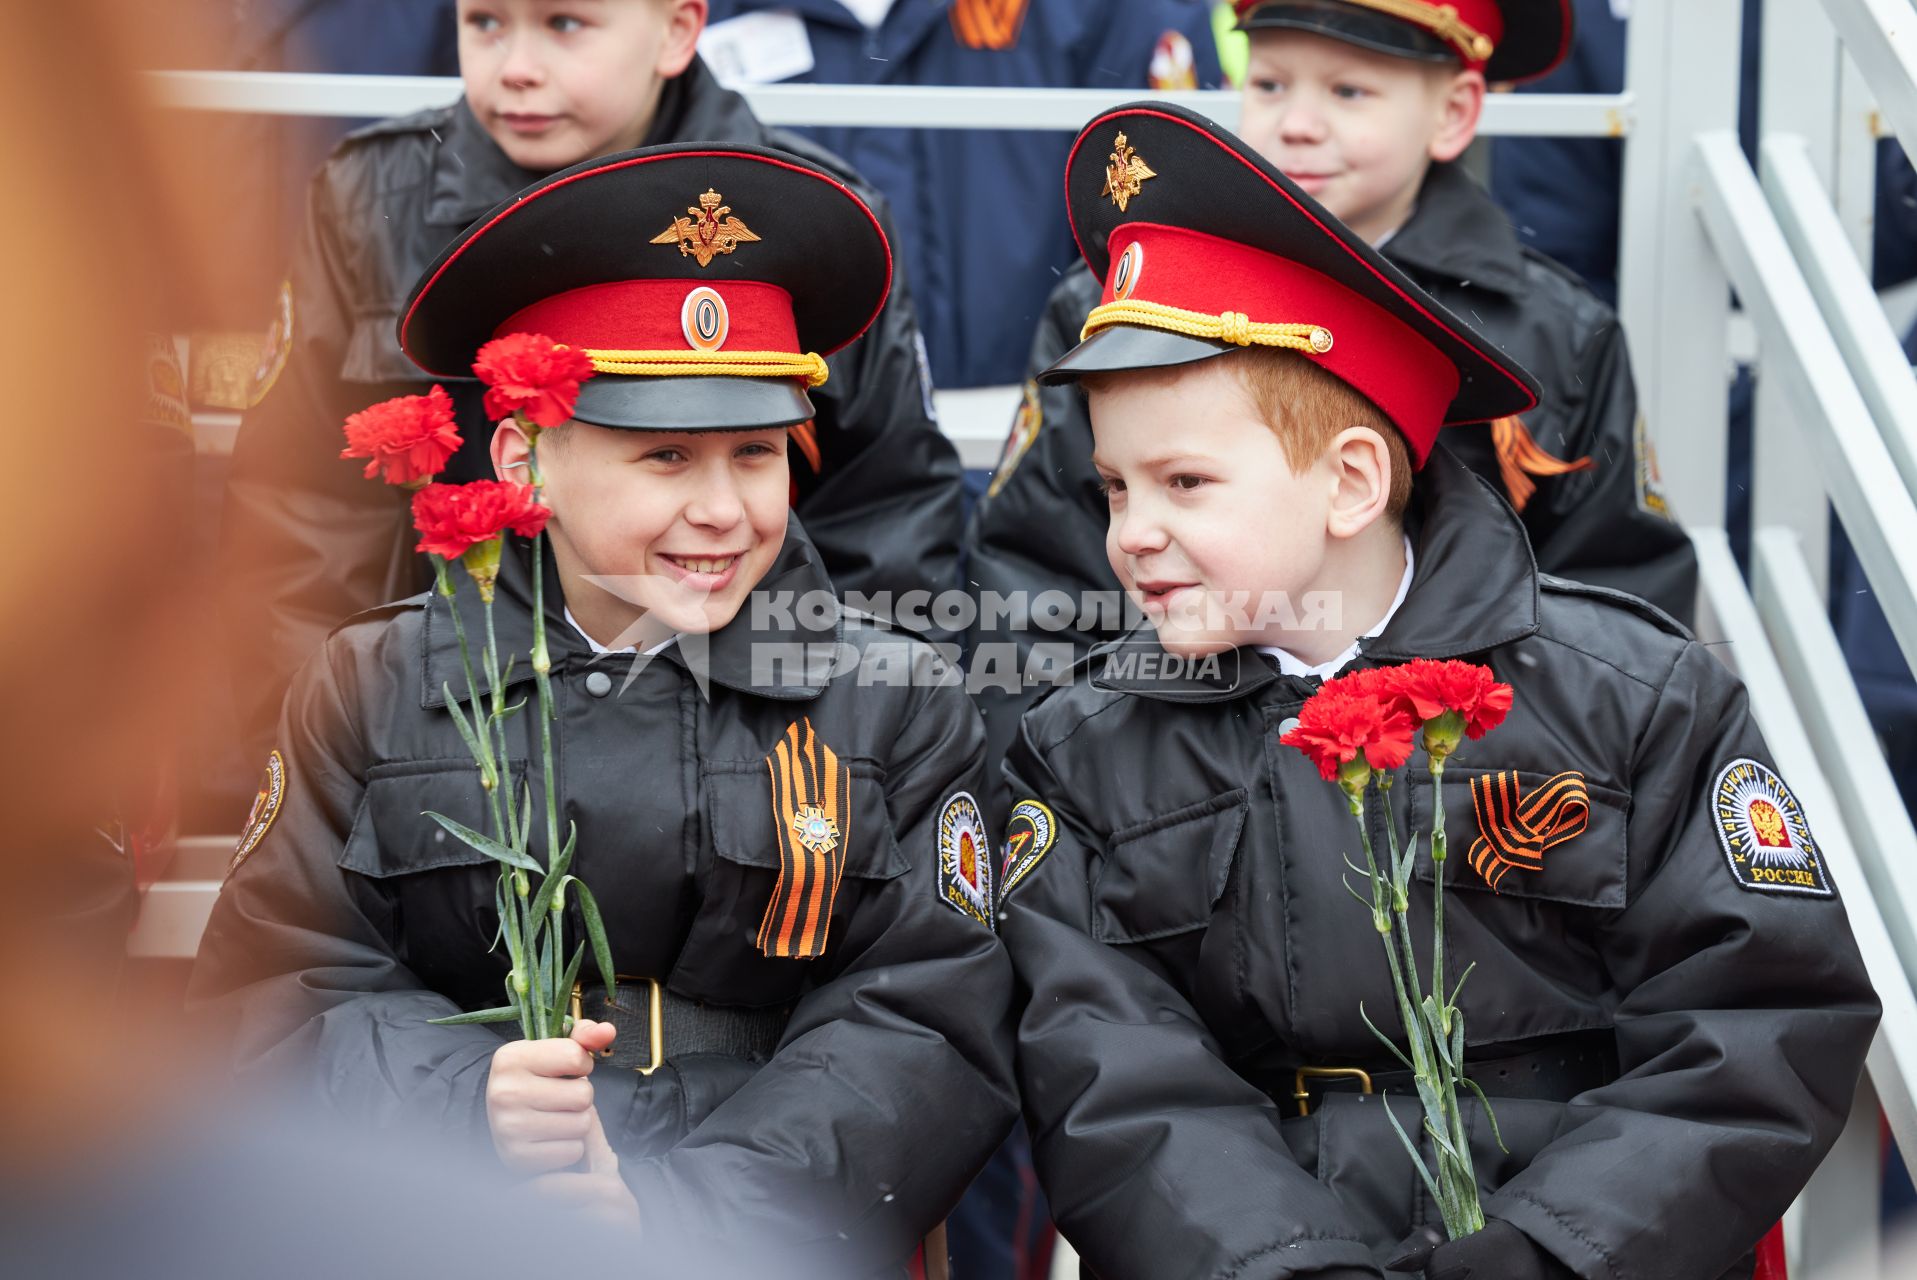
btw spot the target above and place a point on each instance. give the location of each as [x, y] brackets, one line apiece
[655, 1025]
[1553, 1070]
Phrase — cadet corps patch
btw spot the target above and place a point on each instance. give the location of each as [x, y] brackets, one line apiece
[1765, 837]
[1024, 430]
[965, 860]
[275, 349]
[1650, 484]
[1028, 838]
[266, 807]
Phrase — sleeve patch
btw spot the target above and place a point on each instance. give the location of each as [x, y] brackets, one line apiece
[965, 859]
[1766, 840]
[266, 807]
[1029, 836]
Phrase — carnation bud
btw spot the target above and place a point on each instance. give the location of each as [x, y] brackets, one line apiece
[482, 565]
[1353, 775]
[521, 885]
[1442, 736]
[518, 979]
[541, 660]
[559, 900]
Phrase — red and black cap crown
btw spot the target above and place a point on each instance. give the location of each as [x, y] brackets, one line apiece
[705, 282]
[1206, 248]
[1508, 40]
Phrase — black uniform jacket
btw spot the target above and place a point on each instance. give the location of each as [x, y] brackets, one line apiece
[354, 921]
[308, 542]
[1042, 525]
[1187, 943]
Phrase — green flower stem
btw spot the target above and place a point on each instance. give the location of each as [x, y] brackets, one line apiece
[1420, 1062]
[1438, 851]
[488, 768]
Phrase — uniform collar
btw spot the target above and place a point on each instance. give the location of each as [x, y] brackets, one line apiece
[736, 656]
[1289, 664]
[472, 176]
[1474, 587]
[1456, 233]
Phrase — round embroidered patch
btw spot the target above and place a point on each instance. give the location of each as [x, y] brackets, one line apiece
[1028, 838]
[1126, 270]
[1765, 837]
[704, 319]
[965, 865]
[266, 807]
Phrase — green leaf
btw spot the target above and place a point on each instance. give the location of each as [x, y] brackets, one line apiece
[499, 904]
[542, 901]
[563, 1007]
[480, 755]
[505, 1013]
[509, 921]
[1417, 1159]
[1359, 897]
[484, 843]
[1429, 1011]
[596, 933]
[1488, 1113]
[1461, 977]
[1396, 1052]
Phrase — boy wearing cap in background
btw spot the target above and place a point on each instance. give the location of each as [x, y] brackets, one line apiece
[1367, 105]
[822, 1084]
[1669, 1026]
[548, 83]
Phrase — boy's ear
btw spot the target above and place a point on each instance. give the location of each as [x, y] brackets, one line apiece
[1460, 105]
[511, 452]
[685, 21]
[1361, 470]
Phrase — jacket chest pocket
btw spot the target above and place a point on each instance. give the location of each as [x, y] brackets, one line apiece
[439, 889]
[1165, 875]
[771, 878]
[1536, 837]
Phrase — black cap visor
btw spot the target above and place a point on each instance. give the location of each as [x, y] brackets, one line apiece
[1125, 346]
[1366, 28]
[692, 403]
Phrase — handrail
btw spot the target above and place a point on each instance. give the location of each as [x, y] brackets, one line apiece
[300, 93]
[1875, 356]
[1798, 349]
[1893, 1054]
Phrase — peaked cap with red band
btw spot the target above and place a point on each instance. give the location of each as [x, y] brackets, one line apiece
[706, 283]
[1508, 40]
[1216, 250]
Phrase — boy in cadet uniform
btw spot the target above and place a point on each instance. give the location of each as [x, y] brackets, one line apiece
[827, 1092]
[1669, 1014]
[548, 83]
[1367, 105]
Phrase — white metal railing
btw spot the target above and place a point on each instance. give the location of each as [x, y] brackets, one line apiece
[890, 106]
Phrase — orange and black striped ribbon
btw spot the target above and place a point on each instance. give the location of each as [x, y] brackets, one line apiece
[1514, 831]
[988, 24]
[1520, 458]
[806, 775]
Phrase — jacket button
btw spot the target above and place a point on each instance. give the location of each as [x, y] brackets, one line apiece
[1286, 725]
[599, 684]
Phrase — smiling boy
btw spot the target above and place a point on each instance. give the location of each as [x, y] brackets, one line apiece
[1367, 105]
[546, 84]
[1667, 1011]
[820, 1082]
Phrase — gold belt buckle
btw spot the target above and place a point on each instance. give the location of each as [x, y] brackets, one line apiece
[655, 1018]
[1303, 1096]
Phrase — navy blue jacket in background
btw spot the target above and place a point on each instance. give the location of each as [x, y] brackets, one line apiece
[981, 214]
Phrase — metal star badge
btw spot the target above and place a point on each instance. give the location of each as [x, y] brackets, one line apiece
[709, 232]
[1124, 175]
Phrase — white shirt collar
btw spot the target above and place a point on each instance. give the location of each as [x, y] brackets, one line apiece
[1289, 665]
[600, 648]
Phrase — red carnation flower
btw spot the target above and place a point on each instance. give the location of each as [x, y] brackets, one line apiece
[1430, 688]
[1340, 723]
[453, 518]
[408, 438]
[529, 373]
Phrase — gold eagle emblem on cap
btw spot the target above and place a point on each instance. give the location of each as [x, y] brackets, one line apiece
[1125, 174]
[709, 232]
